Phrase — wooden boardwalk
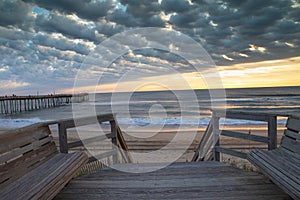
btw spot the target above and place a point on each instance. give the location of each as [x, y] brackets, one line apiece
[197, 180]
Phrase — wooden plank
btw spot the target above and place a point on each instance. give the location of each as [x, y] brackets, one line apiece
[15, 153]
[176, 195]
[290, 144]
[70, 123]
[183, 182]
[49, 191]
[114, 140]
[293, 159]
[286, 160]
[216, 153]
[204, 139]
[213, 172]
[231, 152]
[12, 140]
[206, 149]
[123, 144]
[272, 132]
[63, 137]
[124, 155]
[207, 153]
[292, 134]
[15, 169]
[242, 115]
[277, 176]
[216, 140]
[244, 136]
[180, 184]
[31, 177]
[89, 140]
[49, 181]
[45, 177]
[283, 165]
[293, 124]
[20, 131]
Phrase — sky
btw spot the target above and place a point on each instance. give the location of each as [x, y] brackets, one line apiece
[43, 43]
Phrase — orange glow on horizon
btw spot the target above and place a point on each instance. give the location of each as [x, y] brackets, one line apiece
[283, 72]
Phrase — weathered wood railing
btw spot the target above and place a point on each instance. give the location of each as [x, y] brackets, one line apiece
[119, 150]
[209, 147]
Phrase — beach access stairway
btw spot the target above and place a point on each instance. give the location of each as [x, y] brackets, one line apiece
[30, 165]
[282, 165]
[208, 180]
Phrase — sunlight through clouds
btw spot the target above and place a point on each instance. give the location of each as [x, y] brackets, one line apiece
[227, 58]
[257, 48]
[47, 41]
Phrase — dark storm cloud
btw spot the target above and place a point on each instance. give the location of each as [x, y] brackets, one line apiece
[86, 9]
[14, 13]
[52, 41]
[143, 13]
[177, 6]
[61, 24]
[123, 18]
[60, 43]
[229, 27]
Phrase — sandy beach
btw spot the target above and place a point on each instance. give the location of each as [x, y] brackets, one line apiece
[163, 140]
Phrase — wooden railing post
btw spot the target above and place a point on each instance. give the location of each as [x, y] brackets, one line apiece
[63, 138]
[272, 132]
[216, 140]
[114, 140]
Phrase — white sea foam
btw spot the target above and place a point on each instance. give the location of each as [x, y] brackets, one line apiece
[8, 124]
[187, 121]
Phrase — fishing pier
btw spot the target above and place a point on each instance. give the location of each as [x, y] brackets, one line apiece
[17, 104]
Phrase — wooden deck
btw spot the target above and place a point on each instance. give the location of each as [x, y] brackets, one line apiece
[197, 180]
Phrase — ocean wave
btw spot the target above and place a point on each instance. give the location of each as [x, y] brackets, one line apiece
[188, 121]
[8, 124]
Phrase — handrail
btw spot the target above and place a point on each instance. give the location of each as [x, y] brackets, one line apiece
[202, 149]
[119, 150]
[209, 146]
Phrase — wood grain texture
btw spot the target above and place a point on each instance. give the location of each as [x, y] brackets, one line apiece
[51, 176]
[197, 180]
[15, 169]
[282, 165]
[199, 152]
[290, 145]
[279, 169]
[293, 124]
[30, 165]
[244, 136]
[15, 139]
[292, 134]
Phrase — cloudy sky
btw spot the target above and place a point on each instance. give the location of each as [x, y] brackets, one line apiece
[43, 43]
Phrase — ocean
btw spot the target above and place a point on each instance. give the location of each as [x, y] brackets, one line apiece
[169, 107]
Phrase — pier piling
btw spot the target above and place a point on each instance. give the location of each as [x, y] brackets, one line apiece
[17, 104]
